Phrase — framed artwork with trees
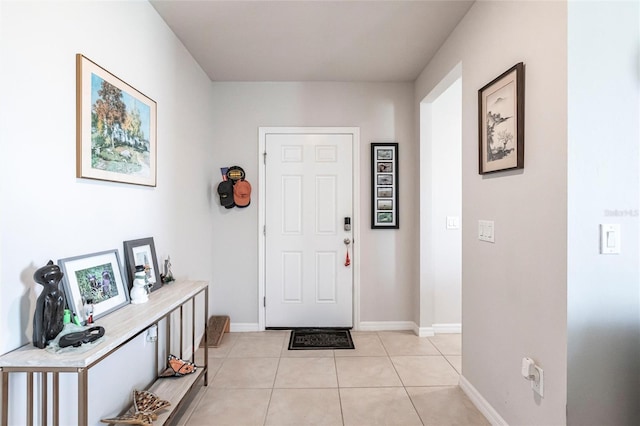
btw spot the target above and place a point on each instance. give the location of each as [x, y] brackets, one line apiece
[501, 122]
[115, 128]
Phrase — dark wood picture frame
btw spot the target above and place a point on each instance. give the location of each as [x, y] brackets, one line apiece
[134, 252]
[384, 186]
[501, 122]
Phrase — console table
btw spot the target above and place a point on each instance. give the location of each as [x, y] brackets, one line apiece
[121, 327]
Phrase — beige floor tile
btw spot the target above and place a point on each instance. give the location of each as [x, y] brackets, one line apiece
[249, 346]
[304, 407]
[306, 373]
[377, 406]
[367, 344]
[266, 333]
[366, 372]
[305, 353]
[447, 344]
[246, 373]
[425, 371]
[231, 407]
[455, 361]
[190, 406]
[406, 343]
[228, 340]
[444, 406]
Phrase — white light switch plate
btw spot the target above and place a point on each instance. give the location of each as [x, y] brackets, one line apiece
[609, 238]
[486, 231]
[453, 222]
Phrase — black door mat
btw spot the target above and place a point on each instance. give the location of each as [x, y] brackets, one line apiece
[320, 338]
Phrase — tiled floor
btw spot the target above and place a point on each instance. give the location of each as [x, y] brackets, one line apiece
[391, 378]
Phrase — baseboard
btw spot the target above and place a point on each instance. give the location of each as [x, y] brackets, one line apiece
[387, 326]
[481, 404]
[424, 331]
[240, 327]
[447, 328]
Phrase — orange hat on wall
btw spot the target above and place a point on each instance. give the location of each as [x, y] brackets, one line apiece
[242, 193]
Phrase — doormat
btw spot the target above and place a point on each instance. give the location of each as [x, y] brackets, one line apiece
[320, 338]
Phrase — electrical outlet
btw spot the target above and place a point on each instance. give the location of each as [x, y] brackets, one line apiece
[537, 384]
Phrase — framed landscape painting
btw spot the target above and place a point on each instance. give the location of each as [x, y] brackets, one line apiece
[115, 128]
[501, 122]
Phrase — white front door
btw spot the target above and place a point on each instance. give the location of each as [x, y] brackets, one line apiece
[308, 194]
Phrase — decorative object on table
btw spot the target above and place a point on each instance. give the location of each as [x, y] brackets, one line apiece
[177, 367]
[320, 338]
[142, 252]
[88, 311]
[167, 277]
[78, 338]
[115, 128]
[501, 122]
[216, 327]
[139, 291]
[384, 186]
[49, 313]
[144, 411]
[96, 277]
[234, 190]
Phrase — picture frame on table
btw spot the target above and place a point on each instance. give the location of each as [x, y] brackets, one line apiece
[501, 122]
[384, 186]
[142, 252]
[94, 279]
[115, 128]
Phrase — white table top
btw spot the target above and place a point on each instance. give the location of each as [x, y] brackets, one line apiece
[120, 326]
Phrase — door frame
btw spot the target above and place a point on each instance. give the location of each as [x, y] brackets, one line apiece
[355, 223]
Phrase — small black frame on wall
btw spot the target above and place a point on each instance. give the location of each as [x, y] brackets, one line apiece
[384, 186]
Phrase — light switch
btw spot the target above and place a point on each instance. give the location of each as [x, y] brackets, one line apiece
[486, 229]
[609, 238]
[453, 222]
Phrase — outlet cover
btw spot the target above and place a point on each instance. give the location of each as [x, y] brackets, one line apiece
[538, 384]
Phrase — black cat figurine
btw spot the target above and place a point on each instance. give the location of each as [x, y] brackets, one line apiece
[47, 319]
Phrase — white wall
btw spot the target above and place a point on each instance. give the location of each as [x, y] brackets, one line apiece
[46, 212]
[604, 158]
[384, 113]
[514, 291]
[441, 197]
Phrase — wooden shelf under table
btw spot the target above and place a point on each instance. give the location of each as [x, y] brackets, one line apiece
[121, 327]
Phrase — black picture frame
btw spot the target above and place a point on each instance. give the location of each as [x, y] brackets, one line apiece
[384, 186]
[501, 122]
[137, 250]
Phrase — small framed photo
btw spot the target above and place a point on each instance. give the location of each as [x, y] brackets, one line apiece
[386, 179]
[385, 192]
[501, 122]
[95, 279]
[142, 252]
[384, 186]
[385, 204]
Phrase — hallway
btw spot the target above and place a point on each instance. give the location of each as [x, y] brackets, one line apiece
[392, 377]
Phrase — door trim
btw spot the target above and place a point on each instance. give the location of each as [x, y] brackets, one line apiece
[355, 223]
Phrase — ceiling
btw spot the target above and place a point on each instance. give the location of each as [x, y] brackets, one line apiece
[312, 40]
